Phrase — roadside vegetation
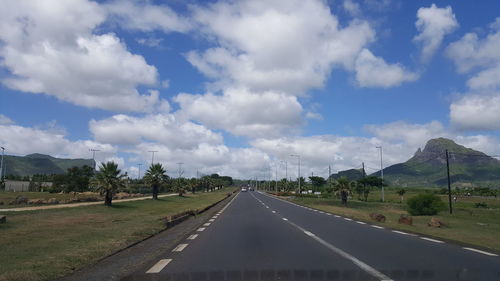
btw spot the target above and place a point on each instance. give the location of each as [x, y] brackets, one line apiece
[475, 218]
[46, 244]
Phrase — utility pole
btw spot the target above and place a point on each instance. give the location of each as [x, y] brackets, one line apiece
[153, 156]
[449, 183]
[364, 173]
[298, 178]
[2, 176]
[329, 174]
[93, 155]
[381, 174]
[139, 176]
[276, 177]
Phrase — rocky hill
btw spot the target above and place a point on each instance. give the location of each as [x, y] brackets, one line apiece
[427, 167]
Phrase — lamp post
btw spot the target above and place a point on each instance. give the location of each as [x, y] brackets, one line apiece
[381, 173]
[2, 176]
[298, 178]
[153, 156]
[139, 175]
[93, 156]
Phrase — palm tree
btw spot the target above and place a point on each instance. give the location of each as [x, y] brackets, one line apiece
[155, 176]
[108, 180]
[343, 187]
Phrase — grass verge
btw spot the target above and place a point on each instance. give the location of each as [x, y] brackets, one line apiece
[46, 244]
[469, 225]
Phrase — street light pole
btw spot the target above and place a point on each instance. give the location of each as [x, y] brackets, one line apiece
[381, 174]
[139, 176]
[276, 176]
[153, 156]
[298, 179]
[2, 176]
[93, 156]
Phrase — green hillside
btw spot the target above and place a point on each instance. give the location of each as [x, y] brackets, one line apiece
[40, 164]
[427, 167]
[351, 174]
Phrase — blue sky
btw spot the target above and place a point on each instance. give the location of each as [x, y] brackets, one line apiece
[235, 87]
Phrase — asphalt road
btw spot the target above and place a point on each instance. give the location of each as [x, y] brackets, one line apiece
[259, 237]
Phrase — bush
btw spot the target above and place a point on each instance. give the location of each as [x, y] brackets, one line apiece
[481, 205]
[425, 205]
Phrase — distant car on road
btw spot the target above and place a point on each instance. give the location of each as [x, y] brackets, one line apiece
[243, 189]
[250, 189]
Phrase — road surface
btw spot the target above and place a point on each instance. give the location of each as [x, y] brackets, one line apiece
[259, 237]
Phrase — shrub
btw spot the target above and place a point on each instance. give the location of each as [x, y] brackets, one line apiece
[481, 205]
[425, 205]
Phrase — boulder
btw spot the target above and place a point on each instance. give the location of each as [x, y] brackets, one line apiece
[19, 200]
[3, 219]
[52, 201]
[405, 219]
[436, 223]
[377, 217]
[36, 202]
[1, 202]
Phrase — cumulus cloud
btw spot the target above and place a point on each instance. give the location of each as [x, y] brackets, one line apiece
[4, 120]
[244, 113]
[55, 52]
[408, 133]
[272, 45]
[433, 24]
[351, 7]
[144, 16]
[160, 128]
[372, 71]
[21, 140]
[478, 109]
[476, 112]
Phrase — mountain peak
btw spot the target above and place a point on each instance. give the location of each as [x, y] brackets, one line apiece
[39, 156]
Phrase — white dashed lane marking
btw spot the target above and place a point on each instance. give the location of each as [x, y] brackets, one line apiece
[404, 233]
[481, 252]
[360, 222]
[432, 240]
[211, 220]
[192, 237]
[200, 229]
[285, 219]
[376, 226]
[159, 266]
[206, 224]
[180, 247]
[274, 212]
[348, 219]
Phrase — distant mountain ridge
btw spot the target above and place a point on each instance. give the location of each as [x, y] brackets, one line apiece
[427, 167]
[37, 163]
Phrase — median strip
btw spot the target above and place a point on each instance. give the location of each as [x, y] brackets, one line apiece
[159, 266]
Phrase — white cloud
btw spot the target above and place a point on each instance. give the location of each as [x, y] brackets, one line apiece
[407, 133]
[4, 120]
[433, 23]
[150, 41]
[143, 16]
[274, 45]
[478, 109]
[476, 112]
[54, 51]
[161, 128]
[242, 112]
[314, 115]
[351, 7]
[372, 71]
[20, 140]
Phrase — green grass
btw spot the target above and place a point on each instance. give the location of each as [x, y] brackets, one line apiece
[44, 245]
[8, 196]
[470, 225]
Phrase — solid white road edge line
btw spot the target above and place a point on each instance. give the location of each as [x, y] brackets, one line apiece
[370, 270]
[159, 266]
[432, 240]
[180, 247]
[192, 237]
[481, 252]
